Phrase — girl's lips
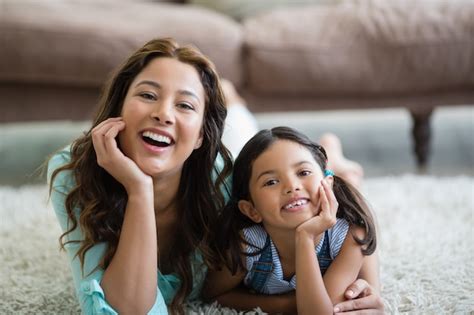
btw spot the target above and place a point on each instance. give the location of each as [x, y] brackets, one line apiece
[296, 205]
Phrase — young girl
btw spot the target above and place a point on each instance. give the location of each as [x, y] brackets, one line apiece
[291, 224]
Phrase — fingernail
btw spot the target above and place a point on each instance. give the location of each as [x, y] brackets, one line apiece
[350, 292]
[336, 310]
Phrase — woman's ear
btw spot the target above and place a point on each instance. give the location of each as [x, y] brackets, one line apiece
[247, 208]
[198, 143]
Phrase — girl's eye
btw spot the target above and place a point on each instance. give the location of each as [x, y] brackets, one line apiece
[304, 173]
[148, 96]
[185, 106]
[270, 182]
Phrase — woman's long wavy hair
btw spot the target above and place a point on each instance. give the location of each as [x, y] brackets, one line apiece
[102, 199]
[229, 239]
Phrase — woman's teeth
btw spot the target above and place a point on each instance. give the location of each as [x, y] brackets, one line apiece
[157, 137]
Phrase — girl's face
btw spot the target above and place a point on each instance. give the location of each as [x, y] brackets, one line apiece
[163, 113]
[283, 186]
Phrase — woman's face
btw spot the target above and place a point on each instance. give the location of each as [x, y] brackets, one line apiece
[163, 113]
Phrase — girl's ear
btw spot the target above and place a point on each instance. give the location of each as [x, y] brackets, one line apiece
[247, 208]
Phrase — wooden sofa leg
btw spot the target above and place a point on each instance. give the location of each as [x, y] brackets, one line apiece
[422, 135]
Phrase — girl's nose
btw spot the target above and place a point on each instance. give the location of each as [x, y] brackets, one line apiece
[292, 186]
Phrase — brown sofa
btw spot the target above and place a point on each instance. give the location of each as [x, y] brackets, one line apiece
[56, 54]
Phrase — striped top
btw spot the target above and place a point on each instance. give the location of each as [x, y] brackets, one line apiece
[257, 236]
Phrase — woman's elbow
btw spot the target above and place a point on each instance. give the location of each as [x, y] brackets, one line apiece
[133, 304]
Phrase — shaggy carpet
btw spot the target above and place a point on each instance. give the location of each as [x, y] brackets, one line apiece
[426, 249]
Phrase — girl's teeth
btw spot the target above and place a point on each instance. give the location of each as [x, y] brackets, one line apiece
[296, 204]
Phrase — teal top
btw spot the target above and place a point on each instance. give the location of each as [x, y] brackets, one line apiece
[88, 290]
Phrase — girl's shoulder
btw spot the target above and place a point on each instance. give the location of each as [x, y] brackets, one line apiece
[337, 234]
[255, 235]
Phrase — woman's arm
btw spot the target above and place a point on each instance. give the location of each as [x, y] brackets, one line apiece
[130, 280]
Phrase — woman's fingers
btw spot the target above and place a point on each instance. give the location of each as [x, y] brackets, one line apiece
[110, 135]
[358, 288]
[371, 304]
[103, 138]
[361, 300]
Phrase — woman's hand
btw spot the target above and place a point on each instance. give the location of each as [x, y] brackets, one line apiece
[325, 217]
[111, 158]
[361, 299]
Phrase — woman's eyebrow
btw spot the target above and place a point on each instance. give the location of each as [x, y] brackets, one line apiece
[148, 82]
[189, 93]
[158, 86]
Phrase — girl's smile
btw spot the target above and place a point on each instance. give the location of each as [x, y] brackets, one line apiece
[284, 186]
[296, 204]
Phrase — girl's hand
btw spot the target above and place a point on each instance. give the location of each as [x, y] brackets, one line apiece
[325, 217]
[111, 158]
[361, 299]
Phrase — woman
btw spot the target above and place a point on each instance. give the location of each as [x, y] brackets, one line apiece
[136, 195]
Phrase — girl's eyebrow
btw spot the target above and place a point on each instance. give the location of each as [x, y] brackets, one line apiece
[273, 171]
[158, 86]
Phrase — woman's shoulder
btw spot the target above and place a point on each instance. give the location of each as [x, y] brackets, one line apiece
[63, 180]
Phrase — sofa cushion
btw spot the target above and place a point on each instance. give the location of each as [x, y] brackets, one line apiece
[240, 9]
[78, 43]
[361, 47]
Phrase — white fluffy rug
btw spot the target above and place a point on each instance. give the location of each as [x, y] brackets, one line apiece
[426, 248]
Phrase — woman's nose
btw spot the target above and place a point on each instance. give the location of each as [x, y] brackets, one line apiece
[163, 112]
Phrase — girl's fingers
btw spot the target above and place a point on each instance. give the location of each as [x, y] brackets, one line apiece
[323, 198]
[332, 201]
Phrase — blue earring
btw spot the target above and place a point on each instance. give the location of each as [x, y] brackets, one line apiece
[328, 173]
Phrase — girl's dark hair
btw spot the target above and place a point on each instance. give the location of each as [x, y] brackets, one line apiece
[102, 199]
[229, 240]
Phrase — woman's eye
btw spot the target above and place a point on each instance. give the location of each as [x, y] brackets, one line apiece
[148, 96]
[270, 182]
[185, 106]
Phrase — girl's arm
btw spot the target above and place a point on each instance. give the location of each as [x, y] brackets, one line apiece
[363, 295]
[240, 298]
[228, 290]
[345, 268]
[311, 294]
[370, 271]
